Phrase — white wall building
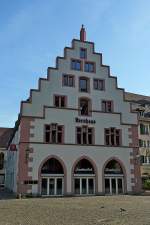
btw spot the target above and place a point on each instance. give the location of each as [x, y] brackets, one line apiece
[5, 134]
[76, 134]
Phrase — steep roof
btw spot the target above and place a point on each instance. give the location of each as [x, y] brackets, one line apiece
[141, 99]
[5, 134]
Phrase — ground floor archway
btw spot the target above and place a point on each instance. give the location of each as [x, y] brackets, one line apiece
[114, 178]
[84, 177]
[52, 177]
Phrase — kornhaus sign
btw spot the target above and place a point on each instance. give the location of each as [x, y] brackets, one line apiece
[78, 120]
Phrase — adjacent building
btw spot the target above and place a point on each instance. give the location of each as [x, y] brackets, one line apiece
[76, 134]
[5, 134]
[141, 104]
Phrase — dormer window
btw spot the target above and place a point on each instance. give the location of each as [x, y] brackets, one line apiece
[89, 67]
[75, 64]
[83, 53]
[84, 84]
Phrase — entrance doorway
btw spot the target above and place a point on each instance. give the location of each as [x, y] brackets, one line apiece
[113, 178]
[84, 178]
[52, 178]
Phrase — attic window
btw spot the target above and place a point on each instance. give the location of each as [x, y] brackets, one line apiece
[83, 53]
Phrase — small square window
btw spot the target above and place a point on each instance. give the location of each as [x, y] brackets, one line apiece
[68, 80]
[75, 64]
[99, 84]
[89, 67]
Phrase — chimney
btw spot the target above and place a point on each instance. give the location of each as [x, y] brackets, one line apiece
[82, 34]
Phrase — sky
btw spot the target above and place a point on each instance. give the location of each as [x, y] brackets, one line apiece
[34, 32]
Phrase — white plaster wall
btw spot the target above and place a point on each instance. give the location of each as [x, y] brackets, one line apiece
[12, 164]
[54, 86]
[67, 118]
[69, 154]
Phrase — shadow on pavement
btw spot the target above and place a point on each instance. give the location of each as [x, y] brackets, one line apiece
[6, 194]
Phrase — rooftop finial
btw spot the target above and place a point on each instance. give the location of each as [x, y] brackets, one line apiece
[82, 34]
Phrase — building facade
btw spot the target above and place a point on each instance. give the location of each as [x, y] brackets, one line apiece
[5, 134]
[141, 104]
[76, 134]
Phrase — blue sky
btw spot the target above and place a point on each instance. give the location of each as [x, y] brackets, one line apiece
[34, 32]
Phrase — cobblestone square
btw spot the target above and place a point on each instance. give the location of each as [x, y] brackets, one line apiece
[111, 210]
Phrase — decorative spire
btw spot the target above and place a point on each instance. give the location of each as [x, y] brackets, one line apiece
[82, 34]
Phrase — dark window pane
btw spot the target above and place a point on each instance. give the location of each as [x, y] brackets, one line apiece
[90, 139]
[107, 140]
[82, 53]
[44, 186]
[76, 65]
[84, 138]
[53, 136]
[89, 67]
[59, 186]
[59, 136]
[77, 186]
[62, 101]
[83, 85]
[47, 137]
[91, 186]
[78, 138]
[57, 101]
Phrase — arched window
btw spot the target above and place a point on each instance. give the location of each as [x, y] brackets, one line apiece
[114, 178]
[52, 178]
[113, 167]
[52, 166]
[85, 106]
[84, 178]
[1, 161]
[84, 167]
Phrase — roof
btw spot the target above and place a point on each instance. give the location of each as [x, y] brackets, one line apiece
[140, 99]
[5, 134]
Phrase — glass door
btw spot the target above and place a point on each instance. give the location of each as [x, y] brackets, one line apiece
[44, 186]
[52, 186]
[114, 185]
[59, 186]
[84, 186]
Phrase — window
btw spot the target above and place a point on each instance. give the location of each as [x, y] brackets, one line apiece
[107, 106]
[85, 105]
[1, 161]
[68, 80]
[83, 53]
[54, 133]
[59, 101]
[144, 129]
[112, 137]
[75, 64]
[98, 84]
[84, 84]
[89, 67]
[145, 159]
[84, 135]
